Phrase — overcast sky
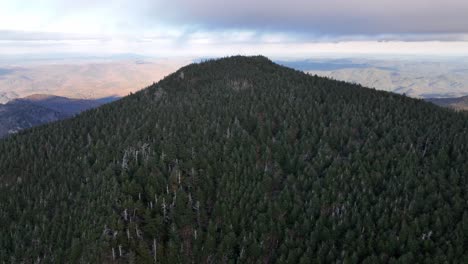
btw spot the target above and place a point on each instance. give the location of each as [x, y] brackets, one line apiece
[215, 27]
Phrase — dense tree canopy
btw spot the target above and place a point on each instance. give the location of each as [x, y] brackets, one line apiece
[240, 160]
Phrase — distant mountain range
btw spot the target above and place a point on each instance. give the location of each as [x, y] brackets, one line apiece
[39, 109]
[460, 103]
[419, 78]
[81, 79]
[444, 83]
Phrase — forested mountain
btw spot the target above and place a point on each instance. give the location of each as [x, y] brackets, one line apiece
[40, 109]
[239, 160]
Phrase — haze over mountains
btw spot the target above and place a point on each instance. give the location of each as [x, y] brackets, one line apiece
[414, 76]
[80, 79]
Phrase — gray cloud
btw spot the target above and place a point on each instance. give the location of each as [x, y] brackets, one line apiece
[411, 20]
[335, 17]
[197, 26]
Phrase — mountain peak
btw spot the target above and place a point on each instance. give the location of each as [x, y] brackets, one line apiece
[326, 170]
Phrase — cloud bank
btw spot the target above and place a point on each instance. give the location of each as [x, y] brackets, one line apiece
[227, 27]
[337, 17]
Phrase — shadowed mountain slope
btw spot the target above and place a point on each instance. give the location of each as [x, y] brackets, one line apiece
[38, 109]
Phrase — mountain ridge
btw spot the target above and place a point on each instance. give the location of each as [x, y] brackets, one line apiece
[458, 103]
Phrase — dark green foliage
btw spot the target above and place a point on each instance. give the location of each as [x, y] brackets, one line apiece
[240, 160]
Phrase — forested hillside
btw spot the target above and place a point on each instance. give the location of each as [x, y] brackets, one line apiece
[36, 110]
[18, 115]
[240, 160]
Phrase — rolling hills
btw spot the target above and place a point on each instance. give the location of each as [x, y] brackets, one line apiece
[240, 160]
[415, 77]
[82, 79]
